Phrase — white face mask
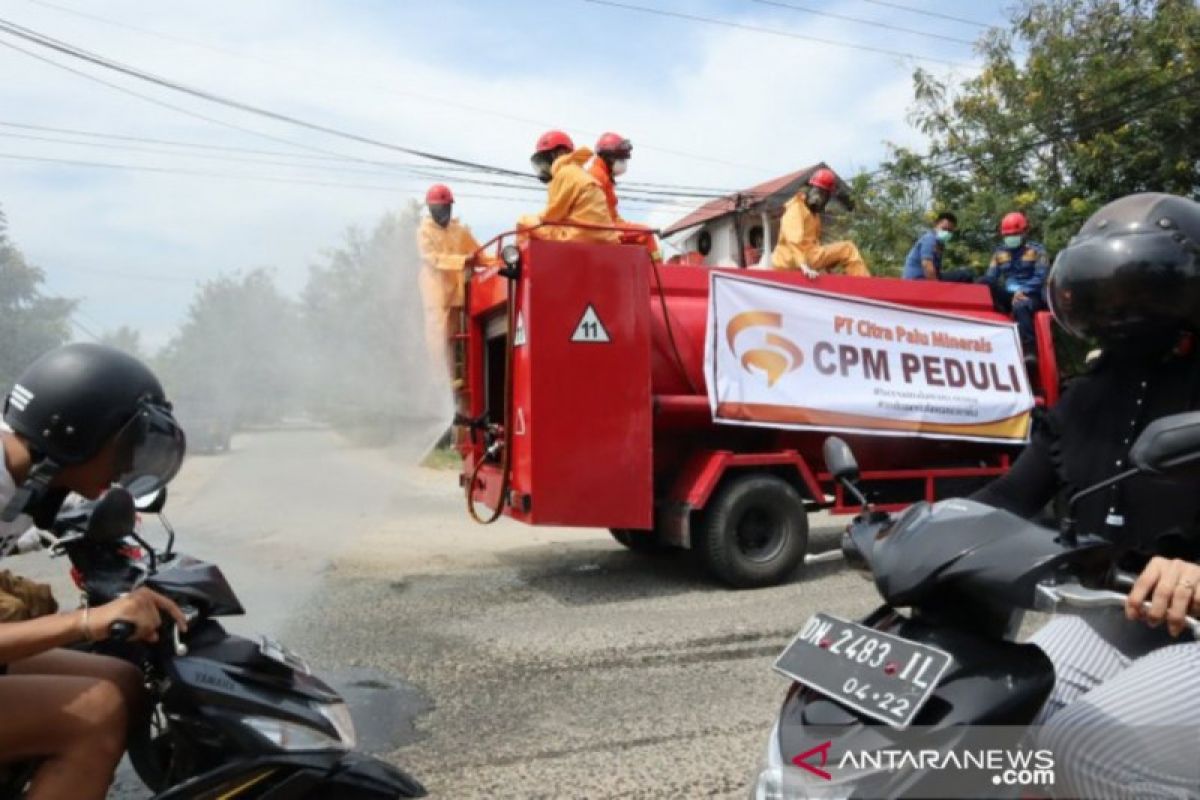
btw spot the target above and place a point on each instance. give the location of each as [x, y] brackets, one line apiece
[619, 166]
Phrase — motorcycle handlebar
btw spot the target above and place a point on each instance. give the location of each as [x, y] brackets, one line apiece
[124, 631]
[121, 631]
[1075, 595]
[1123, 580]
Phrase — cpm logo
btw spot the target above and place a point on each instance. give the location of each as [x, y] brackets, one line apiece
[821, 750]
[776, 356]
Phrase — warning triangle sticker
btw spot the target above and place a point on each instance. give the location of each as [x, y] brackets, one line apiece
[590, 328]
[519, 337]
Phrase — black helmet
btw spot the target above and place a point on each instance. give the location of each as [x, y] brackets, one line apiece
[74, 400]
[1132, 273]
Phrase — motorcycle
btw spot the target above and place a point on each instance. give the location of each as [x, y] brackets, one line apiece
[230, 717]
[931, 678]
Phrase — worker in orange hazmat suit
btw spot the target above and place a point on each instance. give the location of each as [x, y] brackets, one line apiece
[799, 245]
[613, 152]
[446, 246]
[574, 196]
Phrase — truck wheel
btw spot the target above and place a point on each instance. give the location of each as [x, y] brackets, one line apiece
[755, 531]
[638, 541]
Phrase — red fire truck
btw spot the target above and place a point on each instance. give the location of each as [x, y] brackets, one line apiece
[585, 390]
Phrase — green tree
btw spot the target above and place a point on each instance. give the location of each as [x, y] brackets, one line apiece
[30, 322]
[370, 372]
[124, 338]
[1078, 102]
[888, 216]
[236, 354]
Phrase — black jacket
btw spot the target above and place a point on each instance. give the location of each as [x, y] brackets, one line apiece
[1086, 438]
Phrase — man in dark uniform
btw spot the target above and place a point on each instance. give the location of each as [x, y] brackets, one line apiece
[1017, 276]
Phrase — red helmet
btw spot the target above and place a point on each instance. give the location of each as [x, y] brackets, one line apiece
[1014, 222]
[824, 179]
[614, 145]
[439, 194]
[552, 140]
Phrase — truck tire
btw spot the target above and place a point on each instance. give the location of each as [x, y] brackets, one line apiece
[638, 541]
[755, 531]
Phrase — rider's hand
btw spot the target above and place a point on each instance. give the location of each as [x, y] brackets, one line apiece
[809, 272]
[143, 608]
[1170, 586]
[1019, 296]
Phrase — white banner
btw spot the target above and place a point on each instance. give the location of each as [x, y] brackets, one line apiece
[782, 356]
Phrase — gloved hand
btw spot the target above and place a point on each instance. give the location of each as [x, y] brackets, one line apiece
[809, 273]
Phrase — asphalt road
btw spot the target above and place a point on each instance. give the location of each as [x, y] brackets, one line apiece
[498, 661]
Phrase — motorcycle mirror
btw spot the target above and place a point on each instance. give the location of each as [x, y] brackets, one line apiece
[1168, 444]
[839, 460]
[151, 503]
[113, 517]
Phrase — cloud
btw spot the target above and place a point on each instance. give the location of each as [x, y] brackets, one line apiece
[763, 106]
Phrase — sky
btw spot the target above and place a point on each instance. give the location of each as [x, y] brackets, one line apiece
[716, 105]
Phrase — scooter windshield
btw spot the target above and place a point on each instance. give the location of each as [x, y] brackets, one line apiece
[967, 545]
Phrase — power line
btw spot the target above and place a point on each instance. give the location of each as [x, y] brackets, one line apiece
[214, 147]
[75, 323]
[281, 180]
[708, 190]
[185, 111]
[43, 40]
[291, 69]
[1128, 107]
[649, 194]
[446, 161]
[847, 18]
[206, 174]
[1123, 104]
[414, 169]
[417, 172]
[770, 31]
[923, 12]
[221, 156]
[699, 191]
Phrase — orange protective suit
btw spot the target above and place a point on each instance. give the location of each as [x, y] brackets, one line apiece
[444, 253]
[800, 243]
[603, 175]
[574, 196]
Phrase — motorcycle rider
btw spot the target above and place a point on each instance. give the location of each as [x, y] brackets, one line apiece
[80, 418]
[1130, 279]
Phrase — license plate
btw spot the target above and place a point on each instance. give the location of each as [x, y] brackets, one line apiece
[879, 675]
[281, 654]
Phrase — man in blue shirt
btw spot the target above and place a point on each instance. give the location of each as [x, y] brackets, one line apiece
[924, 260]
[1017, 276]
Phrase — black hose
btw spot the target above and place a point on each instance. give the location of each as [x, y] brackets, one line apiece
[506, 442]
